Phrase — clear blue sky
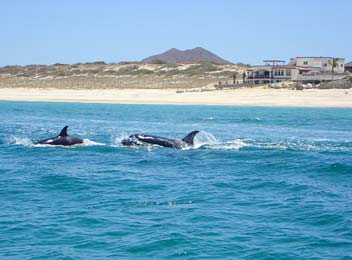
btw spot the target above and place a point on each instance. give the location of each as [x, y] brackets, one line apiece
[65, 31]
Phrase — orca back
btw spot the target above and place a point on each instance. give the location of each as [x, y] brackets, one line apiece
[62, 139]
[189, 139]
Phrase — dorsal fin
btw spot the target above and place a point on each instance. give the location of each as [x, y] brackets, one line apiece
[64, 131]
[189, 139]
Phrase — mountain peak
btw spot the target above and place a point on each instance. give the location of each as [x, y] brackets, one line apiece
[173, 50]
[199, 49]
[197, 54]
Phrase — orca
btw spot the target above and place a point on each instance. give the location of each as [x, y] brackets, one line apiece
[141, 139]
[62, 139]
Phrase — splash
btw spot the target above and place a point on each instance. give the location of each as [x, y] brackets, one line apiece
[87, 142]
[236, 144]
[204, 138]
[21, 141]
[117, 140]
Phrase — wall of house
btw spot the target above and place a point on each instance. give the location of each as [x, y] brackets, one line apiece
[294, 74]
[324, 63]
[281, 73]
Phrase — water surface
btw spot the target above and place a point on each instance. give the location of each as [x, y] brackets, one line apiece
[262, 183]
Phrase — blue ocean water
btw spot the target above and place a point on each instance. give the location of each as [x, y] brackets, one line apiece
[261, 183]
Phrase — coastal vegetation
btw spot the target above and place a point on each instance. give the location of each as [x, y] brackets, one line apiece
[118, 75]
[136, 75]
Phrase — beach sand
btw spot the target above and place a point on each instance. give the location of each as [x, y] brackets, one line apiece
[235, 97]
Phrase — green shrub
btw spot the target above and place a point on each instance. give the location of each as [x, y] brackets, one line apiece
[127, 70]
[158, 62]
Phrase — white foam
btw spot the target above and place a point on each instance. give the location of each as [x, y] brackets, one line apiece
[230, 145]
[302, 145]
[21, 141]
[87, 142]
[117, 140]
[204, 138]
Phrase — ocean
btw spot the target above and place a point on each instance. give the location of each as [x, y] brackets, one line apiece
[260, 183]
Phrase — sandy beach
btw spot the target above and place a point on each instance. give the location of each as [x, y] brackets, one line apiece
[235, 97]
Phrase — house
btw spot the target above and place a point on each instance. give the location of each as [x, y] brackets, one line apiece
[303, 69]
[273, 71]
[322, 69]
[321, 64]
[348, 67]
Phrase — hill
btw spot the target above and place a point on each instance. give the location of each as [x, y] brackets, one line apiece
[173, 56]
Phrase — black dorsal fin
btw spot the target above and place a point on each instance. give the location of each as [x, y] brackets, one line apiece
[64, 131]
[189, 139]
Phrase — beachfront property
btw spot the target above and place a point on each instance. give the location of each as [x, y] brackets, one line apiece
[320, 64]
[273, 71]
[303, 69]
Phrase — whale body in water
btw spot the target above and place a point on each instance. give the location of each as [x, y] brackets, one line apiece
[62, 139]
[141, 139]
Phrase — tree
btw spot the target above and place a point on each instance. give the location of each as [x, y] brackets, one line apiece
[334, 65]
[244, 76]
[234, 77]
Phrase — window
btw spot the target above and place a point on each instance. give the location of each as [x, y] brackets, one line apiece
[288, 72]
[341, 65]
[305, 62]
[325, 65]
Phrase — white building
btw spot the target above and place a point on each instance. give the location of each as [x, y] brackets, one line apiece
[273, 71]
[322, 64]
[310, 69]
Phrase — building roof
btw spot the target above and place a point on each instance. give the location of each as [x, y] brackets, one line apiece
[273, 60]
[348, 64]
[317, 57]
[284, 67]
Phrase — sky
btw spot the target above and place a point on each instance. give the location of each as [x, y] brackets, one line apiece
[48, 32]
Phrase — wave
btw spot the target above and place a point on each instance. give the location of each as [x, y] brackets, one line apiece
[299, 145]
[236, 144]
[206, 140]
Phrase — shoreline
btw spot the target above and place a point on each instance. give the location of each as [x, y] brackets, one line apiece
[232, 97]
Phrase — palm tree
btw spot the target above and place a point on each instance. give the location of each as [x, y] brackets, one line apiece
[334, 65]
